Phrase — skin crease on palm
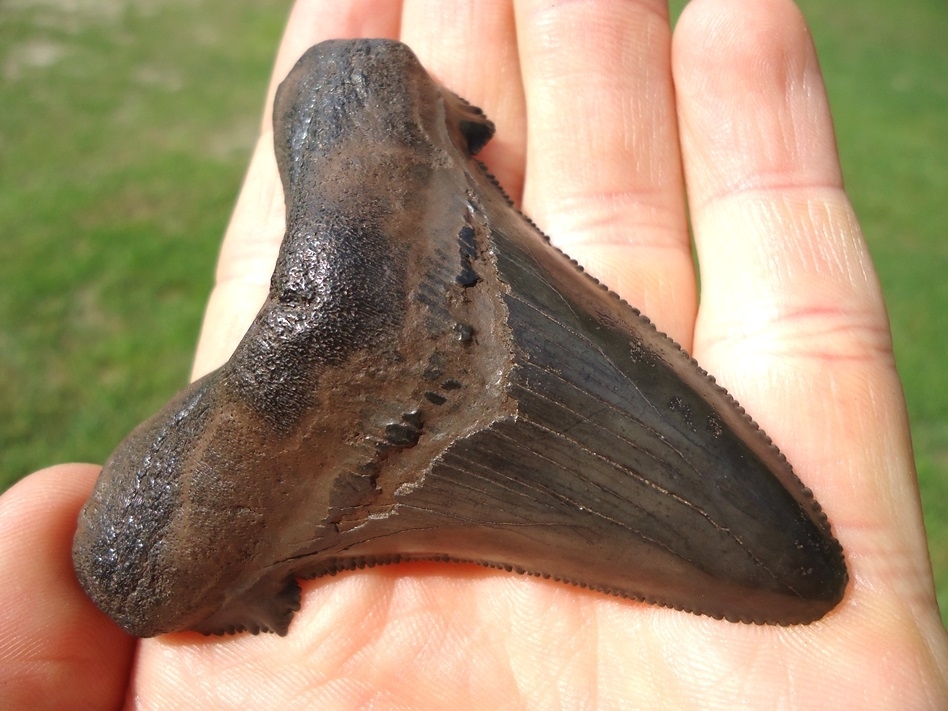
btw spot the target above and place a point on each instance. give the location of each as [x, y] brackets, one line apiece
[622, 116]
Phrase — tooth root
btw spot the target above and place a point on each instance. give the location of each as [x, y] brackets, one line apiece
[430, 378]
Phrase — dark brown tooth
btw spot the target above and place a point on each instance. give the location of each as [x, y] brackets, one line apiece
[430, 379]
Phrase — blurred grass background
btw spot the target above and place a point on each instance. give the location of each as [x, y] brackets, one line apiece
[125, 128]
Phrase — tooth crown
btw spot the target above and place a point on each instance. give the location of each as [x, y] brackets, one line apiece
[430, 378]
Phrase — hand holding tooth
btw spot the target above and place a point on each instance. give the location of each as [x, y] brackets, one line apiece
[430, 379]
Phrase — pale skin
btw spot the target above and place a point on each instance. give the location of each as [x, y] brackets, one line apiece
[622, 118]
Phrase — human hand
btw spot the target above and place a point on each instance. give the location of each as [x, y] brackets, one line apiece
[791, 321]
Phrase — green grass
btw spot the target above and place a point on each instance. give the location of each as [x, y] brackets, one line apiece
[124, 134]
[125, 128]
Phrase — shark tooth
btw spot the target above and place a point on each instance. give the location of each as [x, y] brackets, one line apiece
[430, 379]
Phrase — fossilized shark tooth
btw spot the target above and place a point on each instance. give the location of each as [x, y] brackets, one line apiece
[430, 379]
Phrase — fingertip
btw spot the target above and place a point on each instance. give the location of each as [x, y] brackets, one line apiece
[60, 484]
[752, 103]
[744, 32]
[38, 517]
[57, 647]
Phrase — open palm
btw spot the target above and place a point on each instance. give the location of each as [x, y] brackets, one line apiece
[603, 121]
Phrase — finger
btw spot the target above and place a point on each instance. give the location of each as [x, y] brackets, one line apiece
[57, 649]
[792, 319]
[603, 168]
[470, 46]
[256, 228]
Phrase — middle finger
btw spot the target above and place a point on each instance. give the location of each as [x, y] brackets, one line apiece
[603, 163]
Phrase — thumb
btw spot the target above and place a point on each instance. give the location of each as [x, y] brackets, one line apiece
[57, 649]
